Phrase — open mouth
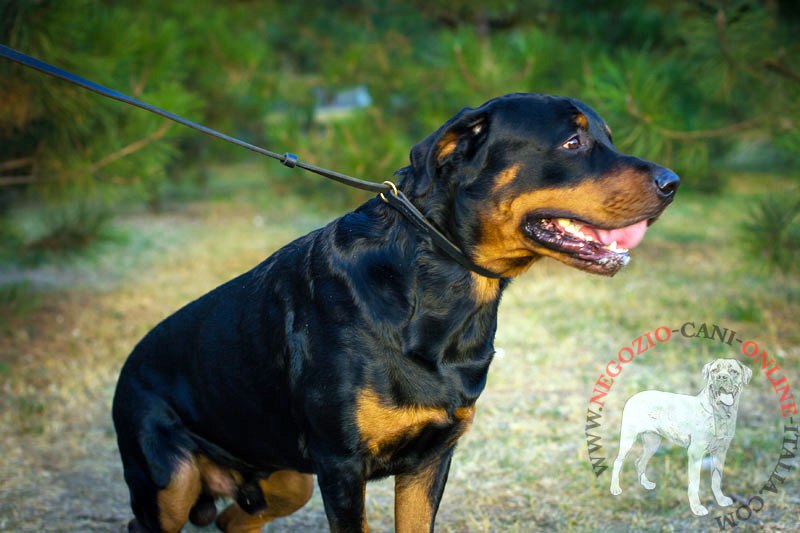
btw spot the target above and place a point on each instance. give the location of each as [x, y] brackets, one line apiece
[590, 248]
[727, 394]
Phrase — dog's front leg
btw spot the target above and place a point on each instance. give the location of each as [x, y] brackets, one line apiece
[417, 496]
[695, 459]
[343, 488]
[716, 478]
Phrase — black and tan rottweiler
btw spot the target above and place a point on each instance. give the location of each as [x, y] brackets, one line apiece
[359, 350]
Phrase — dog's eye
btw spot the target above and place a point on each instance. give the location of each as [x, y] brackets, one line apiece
[573, 143]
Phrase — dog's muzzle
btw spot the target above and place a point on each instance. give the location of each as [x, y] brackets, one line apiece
[726, 390]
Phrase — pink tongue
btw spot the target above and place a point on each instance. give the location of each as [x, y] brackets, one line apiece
[627, 237]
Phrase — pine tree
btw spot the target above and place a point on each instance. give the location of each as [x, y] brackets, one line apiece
[683, 83]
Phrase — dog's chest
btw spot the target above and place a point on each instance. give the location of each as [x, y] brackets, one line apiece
[386, 430]
[724, 427]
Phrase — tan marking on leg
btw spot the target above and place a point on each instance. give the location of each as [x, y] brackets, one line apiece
[364, 524]
[175, 501]
[413, 509]
[218, 480]
[285, 491]
[381, 425]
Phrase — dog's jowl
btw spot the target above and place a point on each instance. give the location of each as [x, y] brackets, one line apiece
[359, 350]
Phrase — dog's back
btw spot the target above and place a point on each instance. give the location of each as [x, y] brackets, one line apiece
[670, 415]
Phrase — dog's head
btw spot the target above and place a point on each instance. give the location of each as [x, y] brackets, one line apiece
[528, 175]
[725, 379]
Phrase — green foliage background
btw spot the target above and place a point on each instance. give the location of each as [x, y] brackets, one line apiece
[700, 86]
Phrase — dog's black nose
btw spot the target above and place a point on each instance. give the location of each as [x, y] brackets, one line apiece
[667, 182]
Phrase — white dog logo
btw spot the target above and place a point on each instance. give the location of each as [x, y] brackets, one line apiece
[705, 424]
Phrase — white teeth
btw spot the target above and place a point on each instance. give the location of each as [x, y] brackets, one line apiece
[574, 229]
[618, 249]
[564, 223]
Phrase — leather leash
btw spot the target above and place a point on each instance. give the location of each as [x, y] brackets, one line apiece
[387, 190]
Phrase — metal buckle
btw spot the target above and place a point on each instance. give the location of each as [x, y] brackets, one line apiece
[394, 190]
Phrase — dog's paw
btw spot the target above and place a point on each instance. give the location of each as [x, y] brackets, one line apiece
[616, 490]
[646, 483]
[699, 510]
[724, 501]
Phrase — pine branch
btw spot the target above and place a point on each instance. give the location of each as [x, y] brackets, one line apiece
[465, 72]
[693, 135]
[14, 164]
[129, 149]
[526, 70]
[779, 68]
[7, 181]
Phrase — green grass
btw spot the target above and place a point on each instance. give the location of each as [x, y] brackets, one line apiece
[522, 467]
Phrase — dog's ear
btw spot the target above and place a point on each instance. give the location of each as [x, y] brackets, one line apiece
[747, 374]
[707, 369]
[456, 140]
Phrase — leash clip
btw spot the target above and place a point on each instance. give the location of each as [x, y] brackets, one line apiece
[394, 190]
[289, 159]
